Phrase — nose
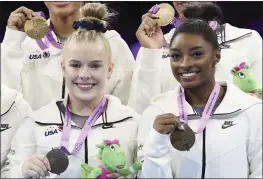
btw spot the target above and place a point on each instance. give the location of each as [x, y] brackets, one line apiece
[85, 73]
[186, 63]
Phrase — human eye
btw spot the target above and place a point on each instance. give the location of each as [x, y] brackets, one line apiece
[175, 56]
[197, 54]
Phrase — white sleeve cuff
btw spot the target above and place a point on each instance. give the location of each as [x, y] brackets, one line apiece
[149, 58]
[13, 36]
[20, 172]
[156, 144]
[161, 139]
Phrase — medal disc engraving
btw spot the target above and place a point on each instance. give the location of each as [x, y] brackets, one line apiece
[166, 14]
[183, 140]
[36, 28]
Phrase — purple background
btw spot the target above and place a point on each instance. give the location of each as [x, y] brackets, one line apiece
[243, 14]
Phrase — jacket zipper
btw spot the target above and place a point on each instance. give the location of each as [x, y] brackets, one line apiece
[203, 151]
[203, 156]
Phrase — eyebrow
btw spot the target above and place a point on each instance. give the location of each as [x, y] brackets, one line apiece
[94, 61]
[193, 48]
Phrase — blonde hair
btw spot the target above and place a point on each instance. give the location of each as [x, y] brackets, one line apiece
[95, 13]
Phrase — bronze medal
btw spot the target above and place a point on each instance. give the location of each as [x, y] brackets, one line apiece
[166, 14]
[58, 161]
[183, 140]
[36, 28]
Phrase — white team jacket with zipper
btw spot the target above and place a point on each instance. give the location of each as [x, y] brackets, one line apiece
[37, 74]
[153, 76]
[230, 147]
[41, 132]
[13, 110]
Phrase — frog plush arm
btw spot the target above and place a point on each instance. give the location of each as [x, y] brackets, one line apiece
[87, 171]
[137, 166]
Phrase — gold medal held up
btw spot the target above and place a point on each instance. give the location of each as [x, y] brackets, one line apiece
[36, 28]
[166, 14]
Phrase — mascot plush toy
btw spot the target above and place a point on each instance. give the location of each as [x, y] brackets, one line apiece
[113, 160]
[244, 80]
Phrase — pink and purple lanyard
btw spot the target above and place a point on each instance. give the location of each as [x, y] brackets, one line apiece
[85, 130]
[207, 111]
[49, 38]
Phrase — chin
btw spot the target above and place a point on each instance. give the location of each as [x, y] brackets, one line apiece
[62, 13]
[85, 98]
[190, 85]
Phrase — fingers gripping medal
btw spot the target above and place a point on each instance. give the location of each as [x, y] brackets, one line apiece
[36, 28]
[165, 12]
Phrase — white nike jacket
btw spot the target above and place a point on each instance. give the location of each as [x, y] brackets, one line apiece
[230, 146]
[41, 132]
[153, 76]
[37, 74]
[13, 109]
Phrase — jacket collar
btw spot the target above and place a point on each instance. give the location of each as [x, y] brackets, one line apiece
[167, 102]
[115, 112]
[232, 33]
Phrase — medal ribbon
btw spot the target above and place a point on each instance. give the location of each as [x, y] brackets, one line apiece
[84, 132]
[207, 111]
[49, 38]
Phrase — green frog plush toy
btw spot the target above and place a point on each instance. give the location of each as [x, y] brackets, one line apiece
[113, 160]
[244, 79]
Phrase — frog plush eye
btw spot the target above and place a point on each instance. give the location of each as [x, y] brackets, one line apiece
[241, 75]
[112, 148]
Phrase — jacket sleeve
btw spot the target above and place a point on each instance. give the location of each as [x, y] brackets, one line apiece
[146, 80]
[12, 58]
[123, 61]
[153, 147]
[255, 56]
[254, 148]
[23, 146]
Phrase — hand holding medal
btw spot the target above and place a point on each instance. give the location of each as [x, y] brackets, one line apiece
[182, 137]
[165, 12]
[184, 140]
[166, 123]
[26, 20]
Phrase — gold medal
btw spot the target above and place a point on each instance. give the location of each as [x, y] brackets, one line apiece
[165, 13]
[36, 28]
[183, 140]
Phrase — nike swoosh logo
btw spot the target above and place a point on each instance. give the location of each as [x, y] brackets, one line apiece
[227, 126]
[5, 129]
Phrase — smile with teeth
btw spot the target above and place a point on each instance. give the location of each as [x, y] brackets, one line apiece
[61, 2]
[188, 74]
[86, 86]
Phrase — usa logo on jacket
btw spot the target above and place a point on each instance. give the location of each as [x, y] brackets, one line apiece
[35, 55]
[52, 130]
